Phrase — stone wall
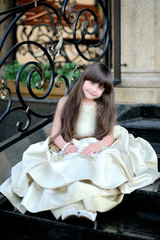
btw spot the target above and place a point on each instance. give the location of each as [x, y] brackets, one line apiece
[5, 5]
[140, 47]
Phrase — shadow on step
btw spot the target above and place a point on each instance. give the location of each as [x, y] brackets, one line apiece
[137, 217]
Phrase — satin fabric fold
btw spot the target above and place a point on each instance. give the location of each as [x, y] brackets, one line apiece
[44, 180]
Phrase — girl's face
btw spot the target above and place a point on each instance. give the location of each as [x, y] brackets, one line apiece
[92, 90]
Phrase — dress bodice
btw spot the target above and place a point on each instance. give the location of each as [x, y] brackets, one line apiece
[86, 123]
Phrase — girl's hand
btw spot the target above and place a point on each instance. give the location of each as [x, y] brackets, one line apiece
[70, 149]
[92, 148]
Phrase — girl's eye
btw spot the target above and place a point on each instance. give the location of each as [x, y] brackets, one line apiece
[92, 83]
[101, 88]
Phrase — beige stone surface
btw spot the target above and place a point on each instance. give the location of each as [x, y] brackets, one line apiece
[90, 2]
[158, 96]
[140, 48]
[140, 34]
[140, 80]
[137, 95]
[5, 5]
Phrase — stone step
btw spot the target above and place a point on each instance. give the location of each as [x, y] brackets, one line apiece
[145, 128]
[137, 217]
[142, 121]
[148, 129]
[147, 198]
[147, 111]
[124, 226]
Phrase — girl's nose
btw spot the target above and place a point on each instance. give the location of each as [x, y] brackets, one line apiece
[94, 88]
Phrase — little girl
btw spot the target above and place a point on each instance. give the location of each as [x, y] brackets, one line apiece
[87, 164]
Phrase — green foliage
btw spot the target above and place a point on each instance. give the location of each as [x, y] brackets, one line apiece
[70, 71]
[11, 71]
[67, 70]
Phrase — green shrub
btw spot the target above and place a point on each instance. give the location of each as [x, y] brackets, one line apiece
[70, 71]
[11, 71]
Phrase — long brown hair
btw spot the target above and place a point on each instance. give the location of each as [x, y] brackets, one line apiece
[101, 74]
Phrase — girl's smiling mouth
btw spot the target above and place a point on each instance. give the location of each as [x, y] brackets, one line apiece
[91, 93]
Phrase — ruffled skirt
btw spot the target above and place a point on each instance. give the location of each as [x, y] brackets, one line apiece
[45, 180]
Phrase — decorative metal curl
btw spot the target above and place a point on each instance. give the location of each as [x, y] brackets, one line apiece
[40, 71]
[84, 26]
[71, 17]
[41, 36]
[58, 82]
[57, 46]
[3, 87]
[4, 90]
[39, 85]
[20, 126]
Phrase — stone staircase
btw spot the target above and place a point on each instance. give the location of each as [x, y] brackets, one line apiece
[142, 121]
[137, 217]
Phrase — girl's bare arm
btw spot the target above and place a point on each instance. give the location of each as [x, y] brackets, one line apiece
[97, 147]
[57, 124]
[56, 127]
[107, 140]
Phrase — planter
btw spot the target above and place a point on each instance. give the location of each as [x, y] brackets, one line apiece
[55, 92]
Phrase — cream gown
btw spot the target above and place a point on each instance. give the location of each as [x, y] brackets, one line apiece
[44, 180]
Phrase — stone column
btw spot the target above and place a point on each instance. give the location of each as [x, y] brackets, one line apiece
[140, 49]
[5, 5]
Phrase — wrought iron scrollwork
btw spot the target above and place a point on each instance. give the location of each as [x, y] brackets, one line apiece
[46, 43]
[3, 88]
[88, 27]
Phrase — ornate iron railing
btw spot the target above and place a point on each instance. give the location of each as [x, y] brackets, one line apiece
[90, 38]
